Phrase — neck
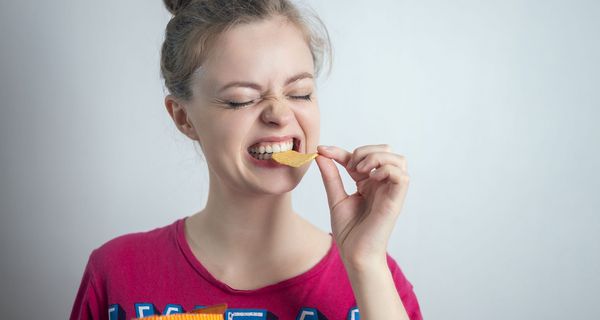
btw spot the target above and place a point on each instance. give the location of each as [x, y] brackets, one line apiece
[261, 222]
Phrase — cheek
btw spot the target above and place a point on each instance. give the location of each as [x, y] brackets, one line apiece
[222, 149]
[226, 139]
[315, 126]
[231, 136]
[310, 122]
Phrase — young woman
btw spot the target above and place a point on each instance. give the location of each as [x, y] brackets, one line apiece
[241, 79]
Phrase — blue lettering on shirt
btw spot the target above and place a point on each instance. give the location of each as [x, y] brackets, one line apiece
[246, 314]
[144, 310]
[353, 314]
[172, 309]
[116, 312]
[310, 314]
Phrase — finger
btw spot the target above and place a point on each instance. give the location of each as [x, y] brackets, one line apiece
[377, 159]
[390, 172]
[364, 185]
[340, 155]
[332, 181]
[359, 153]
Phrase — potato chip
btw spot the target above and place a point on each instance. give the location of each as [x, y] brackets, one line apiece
[292, 158]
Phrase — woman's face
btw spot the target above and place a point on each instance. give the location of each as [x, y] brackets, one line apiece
[256, 89]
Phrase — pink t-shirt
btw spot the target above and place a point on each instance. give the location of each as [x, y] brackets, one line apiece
[155, 272]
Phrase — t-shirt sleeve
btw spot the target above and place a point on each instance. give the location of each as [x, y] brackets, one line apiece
[89, 303]
[405, 290]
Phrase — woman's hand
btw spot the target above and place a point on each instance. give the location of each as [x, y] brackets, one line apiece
[363, 221]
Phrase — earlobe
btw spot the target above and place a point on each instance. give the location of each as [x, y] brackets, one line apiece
[191, 131]
[179, 115]
[188, 129]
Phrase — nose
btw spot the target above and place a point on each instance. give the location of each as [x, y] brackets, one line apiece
[277, 113]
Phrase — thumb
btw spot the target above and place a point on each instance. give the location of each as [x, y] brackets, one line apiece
[332, 181]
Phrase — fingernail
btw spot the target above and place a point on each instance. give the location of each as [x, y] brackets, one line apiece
[326, 148]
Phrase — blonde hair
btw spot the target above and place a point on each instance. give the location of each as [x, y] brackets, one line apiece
[197, 23]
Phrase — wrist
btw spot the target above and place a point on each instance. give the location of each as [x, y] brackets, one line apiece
[366, 265]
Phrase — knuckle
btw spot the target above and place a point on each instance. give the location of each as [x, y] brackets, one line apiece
[370, 158]
[401, 159]
[355, 155]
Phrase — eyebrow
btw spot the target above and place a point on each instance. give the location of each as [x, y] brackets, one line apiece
[257, 87]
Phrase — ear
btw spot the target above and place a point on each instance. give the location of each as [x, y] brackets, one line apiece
[179, 115]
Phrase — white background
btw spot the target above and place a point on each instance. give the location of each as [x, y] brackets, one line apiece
[495, 104]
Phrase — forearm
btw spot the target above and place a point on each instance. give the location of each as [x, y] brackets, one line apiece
[375, 292]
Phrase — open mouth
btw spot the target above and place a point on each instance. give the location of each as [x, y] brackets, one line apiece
[264, 150]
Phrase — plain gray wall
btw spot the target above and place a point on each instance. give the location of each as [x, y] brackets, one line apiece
[495, 104]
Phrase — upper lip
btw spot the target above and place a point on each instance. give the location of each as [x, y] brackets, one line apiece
[276, 139]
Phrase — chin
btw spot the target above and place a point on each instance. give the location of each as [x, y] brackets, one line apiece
[281, 185]
[278, 188]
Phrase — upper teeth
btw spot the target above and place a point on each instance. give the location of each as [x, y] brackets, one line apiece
[273, 147]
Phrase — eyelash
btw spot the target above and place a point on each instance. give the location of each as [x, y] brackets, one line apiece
[238, 105]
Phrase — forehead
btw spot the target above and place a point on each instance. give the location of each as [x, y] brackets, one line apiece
[265, 51]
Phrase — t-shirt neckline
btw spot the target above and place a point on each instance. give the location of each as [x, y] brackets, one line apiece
[197, 265]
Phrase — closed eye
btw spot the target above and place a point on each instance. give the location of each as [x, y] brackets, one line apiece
[237, 105]
[306, 97]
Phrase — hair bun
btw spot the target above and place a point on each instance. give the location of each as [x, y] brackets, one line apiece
[175, 6]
